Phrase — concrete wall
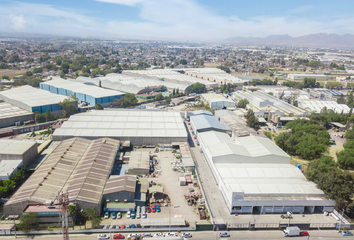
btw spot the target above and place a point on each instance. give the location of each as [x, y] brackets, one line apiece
[10, 121]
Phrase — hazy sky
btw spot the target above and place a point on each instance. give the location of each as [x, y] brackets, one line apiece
[205, 20]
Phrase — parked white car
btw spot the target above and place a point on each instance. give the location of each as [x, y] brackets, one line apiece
[159, 235]
[128, 214]
[171, 234]
[103, 236]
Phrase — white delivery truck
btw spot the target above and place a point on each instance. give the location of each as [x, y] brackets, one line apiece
[291, 231]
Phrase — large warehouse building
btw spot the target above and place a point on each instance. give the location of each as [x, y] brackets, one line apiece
[11, 149]
[76, 165]
[33, 99]
[265, 105]
[255, 176]
[302, 76]
[85, 93]
[217, 101]
[11, 115]
[141, 127]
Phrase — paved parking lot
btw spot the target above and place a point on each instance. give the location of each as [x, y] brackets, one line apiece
[169, 180]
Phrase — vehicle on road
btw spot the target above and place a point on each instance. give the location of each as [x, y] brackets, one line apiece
[159, 235]
[224, 234]
[171, 234]
[118, 236]
[347, 233]
[129, 214]
[186, 235]
[114, 215]
[291, 231]
[304, 233]
[119, 215]
[146, 235]
[106, 215]
[158, 209]
[153, 209]
[133, 235]
[103, 236]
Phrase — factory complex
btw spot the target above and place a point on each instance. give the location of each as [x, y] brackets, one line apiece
[255, 176]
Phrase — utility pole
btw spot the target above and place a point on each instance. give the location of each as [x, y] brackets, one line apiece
[169, 220]
[63, 202]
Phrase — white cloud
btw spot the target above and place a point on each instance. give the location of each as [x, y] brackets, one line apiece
[122, 2]
[17, 22]
[168, 19]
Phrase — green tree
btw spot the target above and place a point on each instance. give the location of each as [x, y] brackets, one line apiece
[224, 68]
[168, 100]
[183, 62]
[350, 99]
[95, 222]
[309, 82]
[174, 92]
[98, 106]
[69, 105]
[37, 70]
[251, 120]
[341, 99]
[72, 209]
[242, 103]
[127, 100]
[89, 213]
[65, 68]
[346, 158]
[28, 222]
[29, 74]
[159, 97]
[197, 88]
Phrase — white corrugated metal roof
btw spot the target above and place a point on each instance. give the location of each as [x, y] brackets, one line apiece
[123, 122]
[31, 96]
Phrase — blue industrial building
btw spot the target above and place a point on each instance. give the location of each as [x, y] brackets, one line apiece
[85, 93]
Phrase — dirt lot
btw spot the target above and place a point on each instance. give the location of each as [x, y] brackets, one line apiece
[11, 73]
[339, 143]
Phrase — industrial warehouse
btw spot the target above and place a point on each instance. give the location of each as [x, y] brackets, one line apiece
[217, 101]
[269, 107]
[140, 127]
[33, 99]
[12, 115]
[77, 165]
[85, 93]
[255, 176]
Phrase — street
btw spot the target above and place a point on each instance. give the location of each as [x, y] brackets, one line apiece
[323, 235]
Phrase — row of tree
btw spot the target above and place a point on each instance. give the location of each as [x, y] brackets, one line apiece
[16, 179]
[265, 81]
[307, 139]
[336, 184]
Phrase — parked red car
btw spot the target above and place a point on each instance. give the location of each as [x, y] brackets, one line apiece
[118, 236]
[304, 233]
[153, 208]
[148, 209]
[122, 226]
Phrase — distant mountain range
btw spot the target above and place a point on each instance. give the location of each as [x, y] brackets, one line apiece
[313, 40]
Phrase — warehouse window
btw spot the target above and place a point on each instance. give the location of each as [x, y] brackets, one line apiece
[236, 208]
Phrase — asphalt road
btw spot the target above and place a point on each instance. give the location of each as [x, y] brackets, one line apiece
[323, 235]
